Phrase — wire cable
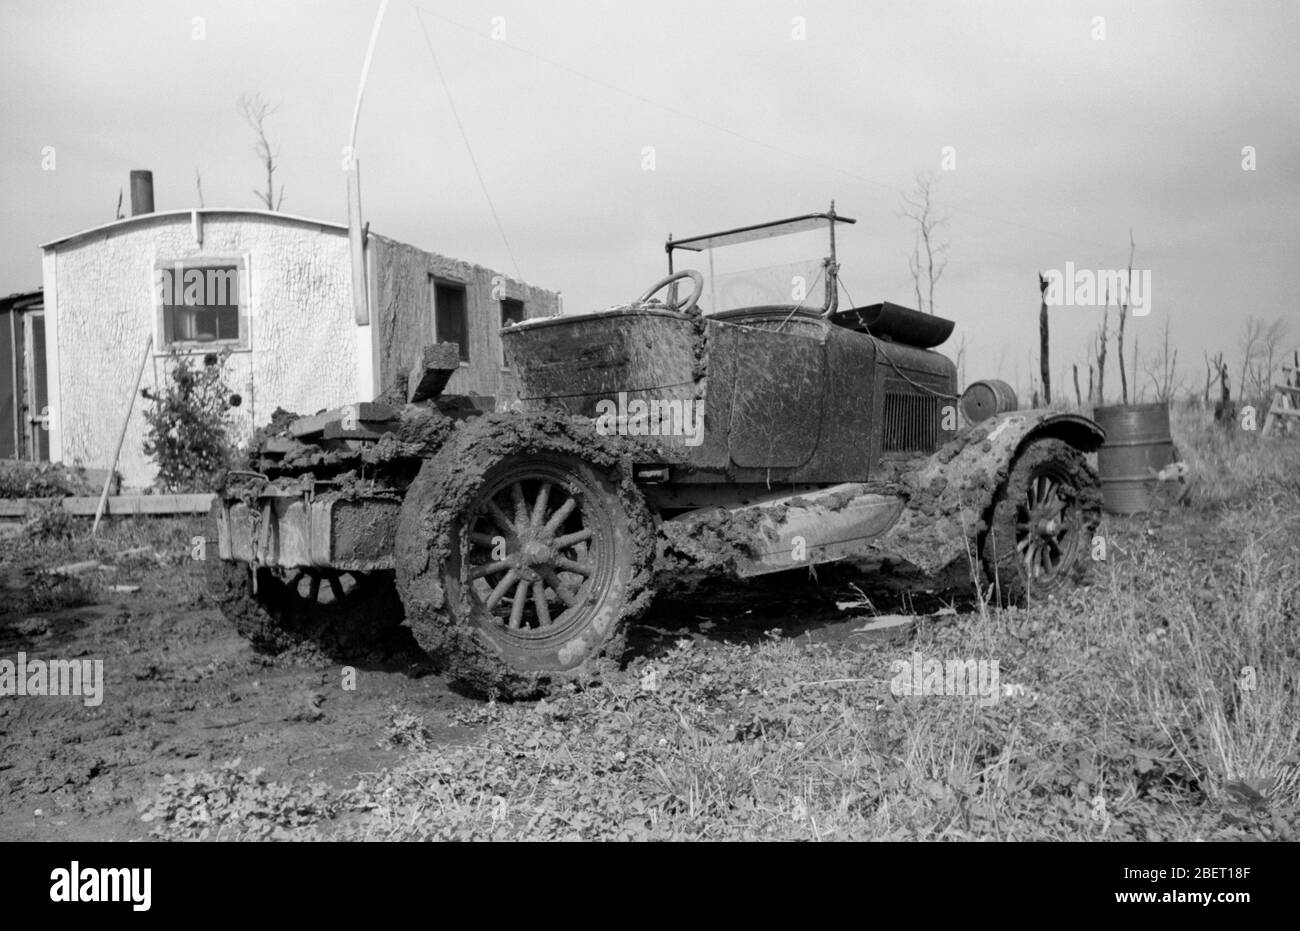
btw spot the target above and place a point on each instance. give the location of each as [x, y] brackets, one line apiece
[789, 153]
[465, 138]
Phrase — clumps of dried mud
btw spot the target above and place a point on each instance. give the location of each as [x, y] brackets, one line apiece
[711, 542]
[947, 501]
[946, 495]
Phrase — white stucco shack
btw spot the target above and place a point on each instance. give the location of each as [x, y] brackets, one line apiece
[273, 288]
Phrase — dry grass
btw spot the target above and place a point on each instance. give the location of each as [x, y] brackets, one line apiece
[1133, 709]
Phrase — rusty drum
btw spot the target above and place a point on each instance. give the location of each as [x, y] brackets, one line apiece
[1138, 445]
[982, 399]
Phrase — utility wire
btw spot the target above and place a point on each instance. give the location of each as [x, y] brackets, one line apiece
[789, 153]
[465, 137]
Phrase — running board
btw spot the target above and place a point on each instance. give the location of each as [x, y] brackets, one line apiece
[785, 533]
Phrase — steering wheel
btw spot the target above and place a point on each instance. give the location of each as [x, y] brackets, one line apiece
[696, 279]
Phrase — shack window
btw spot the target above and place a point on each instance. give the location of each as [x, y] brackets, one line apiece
[512, 311]
[201, 302]
[451, 316]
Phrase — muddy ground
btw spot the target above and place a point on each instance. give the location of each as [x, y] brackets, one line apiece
[184, 693]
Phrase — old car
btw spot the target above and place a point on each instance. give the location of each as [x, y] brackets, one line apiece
[740, 423]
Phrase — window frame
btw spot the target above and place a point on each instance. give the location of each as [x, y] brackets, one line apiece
[244, 305]
[435, 282]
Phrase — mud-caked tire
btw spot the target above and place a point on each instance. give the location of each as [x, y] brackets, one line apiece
[345, 615]
[524, 553]
[1041, 524]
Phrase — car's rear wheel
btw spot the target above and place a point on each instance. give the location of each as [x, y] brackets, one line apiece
[1041, 525]
[524, 567]
[345, 614]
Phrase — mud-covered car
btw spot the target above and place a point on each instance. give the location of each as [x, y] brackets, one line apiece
[520, 539]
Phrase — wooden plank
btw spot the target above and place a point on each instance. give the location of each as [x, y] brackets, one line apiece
[438, 363]
[315, 424]
[118, 505]
[460, 406]
[1290, 389]
[160, 504]
[278, 446]
[374, 411]
[75, 568]
[361, 430]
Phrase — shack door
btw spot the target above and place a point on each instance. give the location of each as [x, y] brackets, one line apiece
[11, 367]
[37, 412]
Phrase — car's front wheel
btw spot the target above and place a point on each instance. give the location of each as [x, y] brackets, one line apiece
[1041, 525]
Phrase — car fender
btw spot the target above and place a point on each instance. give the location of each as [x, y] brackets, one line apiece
[950, 493]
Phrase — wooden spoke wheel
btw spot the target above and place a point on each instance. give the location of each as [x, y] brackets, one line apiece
[520, 568]
[1041, 526]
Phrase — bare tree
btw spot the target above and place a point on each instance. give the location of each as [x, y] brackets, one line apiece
[1078, 398]
[1123, 315]
[118, 214]
[1214, 369]
[1162, 369]
[1102, 341]
[1261, 345]
[1275, 334]
[198, 185]
[930, 249]
[1138, 392]
[1090, 373]
[255, 110]
[1250, 344]
[1044, 363]
[961, 361]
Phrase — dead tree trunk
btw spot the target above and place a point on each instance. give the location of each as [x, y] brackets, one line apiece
[1123, 315]
[1223, 411]
[1044, 363]
[1078, 400]
[1213, 369]
[1102, 341]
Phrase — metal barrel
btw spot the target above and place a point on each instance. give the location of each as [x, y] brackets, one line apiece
[982, 399]
[1138, 445]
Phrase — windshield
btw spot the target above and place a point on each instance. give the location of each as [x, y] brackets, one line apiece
[800, 282]
[783, 262]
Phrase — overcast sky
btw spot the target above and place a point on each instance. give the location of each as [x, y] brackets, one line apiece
[1063, 140]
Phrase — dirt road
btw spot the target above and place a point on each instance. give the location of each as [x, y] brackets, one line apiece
[183, 693]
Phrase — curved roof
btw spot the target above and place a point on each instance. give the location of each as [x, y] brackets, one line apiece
[141, 219]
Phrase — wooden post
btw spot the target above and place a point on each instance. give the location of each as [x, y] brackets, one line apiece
[121, 437]
[356, 231]
[1044, 362]
[357, 248]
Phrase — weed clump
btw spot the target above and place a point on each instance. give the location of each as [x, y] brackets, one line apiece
[188, 424]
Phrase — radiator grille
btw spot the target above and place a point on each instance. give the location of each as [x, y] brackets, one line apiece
[910, 423]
